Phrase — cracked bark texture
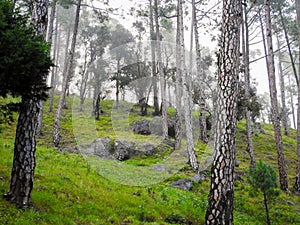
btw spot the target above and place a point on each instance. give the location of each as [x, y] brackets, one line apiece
[221, 196]
[22, 175]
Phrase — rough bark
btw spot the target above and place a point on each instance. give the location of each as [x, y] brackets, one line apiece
[22, 175]
[221, 196]
[245, 46]
[201, 75]
[297, 181]
[282, 91]
[273, 96]
[66, 78]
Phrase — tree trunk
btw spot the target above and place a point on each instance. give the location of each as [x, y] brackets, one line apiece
[178, 89]
[267, 209]
[66, 78]
[56, 48]
[282, 91]
[185, 89]
[221, 196]
[297, 182]
[201, 75]
[48, 40]
[22, 175]
[161, 75]
[292, 102]
[153, 63]
[273, 97]
[245, 46]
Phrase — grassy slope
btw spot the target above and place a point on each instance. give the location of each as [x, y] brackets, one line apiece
[68, 190]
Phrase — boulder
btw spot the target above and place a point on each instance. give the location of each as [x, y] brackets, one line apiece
[146, 149]
[198, 177]
[156, 127]
[183, 184]
[141, 127]
[103, 148]
[123, 149]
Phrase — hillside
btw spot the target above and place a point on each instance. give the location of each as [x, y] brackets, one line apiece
[69, 190]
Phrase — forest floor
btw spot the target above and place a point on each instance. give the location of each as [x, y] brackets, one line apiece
[69, 190]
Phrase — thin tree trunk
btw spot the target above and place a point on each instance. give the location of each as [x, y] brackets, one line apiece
[297, 181]
[245, 46]
[267, 209]
[22, 175]
[48, 40]
[67, 74]
[153, 37]
[201, 75]
[273, 97]
[282, 91]
[178, 90]
[185, 89]
[161, 76]
[221, 196]
[56, 48]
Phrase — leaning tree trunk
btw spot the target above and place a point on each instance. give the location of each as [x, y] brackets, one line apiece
[221, 196]
[245, 46]
[66, 77]
[22, 175]
[297, 182]
[267, 209]
[274, 103]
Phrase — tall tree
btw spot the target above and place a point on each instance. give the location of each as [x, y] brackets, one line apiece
[221, 196]
[245, 46]
[297, 182]
[27, 80]
[282, 91]
[185, 87]
[66, 77]
[273, 97]
[200, 75]
[49, 40]
[161, 74]
[153, 60]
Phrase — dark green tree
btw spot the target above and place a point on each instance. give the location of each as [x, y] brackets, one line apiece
[263, 177]
[24, 65]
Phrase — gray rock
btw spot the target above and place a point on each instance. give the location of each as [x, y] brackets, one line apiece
[237, 163]
[183, 184]
[123, 149]
[159, 168]
[198, 177]
[141, 127]
[103, 148]
[156, 127]
[146, 149]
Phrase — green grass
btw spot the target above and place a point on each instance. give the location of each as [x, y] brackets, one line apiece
[71, 189]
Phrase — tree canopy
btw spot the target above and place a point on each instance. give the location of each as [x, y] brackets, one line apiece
[24, 58]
